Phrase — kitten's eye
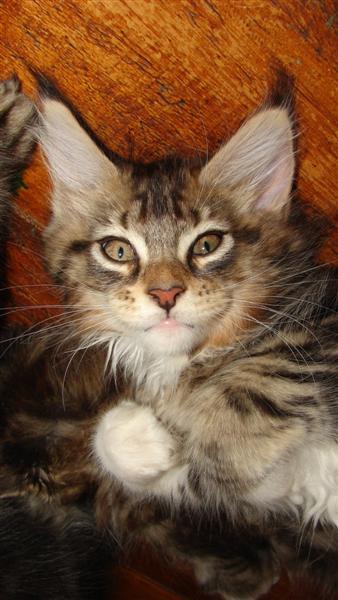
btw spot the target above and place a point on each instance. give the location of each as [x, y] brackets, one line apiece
[118, 250]
[206, 244]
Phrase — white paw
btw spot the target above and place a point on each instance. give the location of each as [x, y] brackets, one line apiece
[131, 444]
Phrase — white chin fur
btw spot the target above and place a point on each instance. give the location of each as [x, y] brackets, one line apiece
[152, 358]
[171, 342]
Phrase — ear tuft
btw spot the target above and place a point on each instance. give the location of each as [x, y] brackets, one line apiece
[282, 92]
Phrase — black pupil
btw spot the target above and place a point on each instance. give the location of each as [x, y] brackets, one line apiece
[120, 252]
[206, 246]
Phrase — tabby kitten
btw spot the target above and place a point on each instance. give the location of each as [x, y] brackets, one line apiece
[203, 289]
[50, 484]
[192, 399]
[202, 285]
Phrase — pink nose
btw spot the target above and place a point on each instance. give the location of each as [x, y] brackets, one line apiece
[166, 298]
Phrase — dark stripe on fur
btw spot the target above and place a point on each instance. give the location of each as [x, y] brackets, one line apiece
[267, 406]
[79, 246]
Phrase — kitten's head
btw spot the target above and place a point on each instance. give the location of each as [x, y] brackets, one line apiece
[167, 256]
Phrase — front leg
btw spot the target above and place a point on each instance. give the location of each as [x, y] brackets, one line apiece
[132, 445]
[17, 118]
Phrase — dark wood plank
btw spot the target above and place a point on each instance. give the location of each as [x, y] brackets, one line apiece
[133, 585]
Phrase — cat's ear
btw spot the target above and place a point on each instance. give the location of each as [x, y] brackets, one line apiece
[258, 161]
[74, 159]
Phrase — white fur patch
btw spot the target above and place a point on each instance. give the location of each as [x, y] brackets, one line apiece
[133, 446]
[308, 482]
[153, 372]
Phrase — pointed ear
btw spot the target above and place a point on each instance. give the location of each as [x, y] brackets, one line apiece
[74, 160]
[258, 160]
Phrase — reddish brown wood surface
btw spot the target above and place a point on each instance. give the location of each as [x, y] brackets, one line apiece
[144, 570]
[154, 77]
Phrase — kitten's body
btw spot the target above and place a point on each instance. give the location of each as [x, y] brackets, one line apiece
[183, 382]
[50, 486]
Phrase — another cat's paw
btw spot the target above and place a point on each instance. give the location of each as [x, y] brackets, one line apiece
[17, 117]
[131, 444]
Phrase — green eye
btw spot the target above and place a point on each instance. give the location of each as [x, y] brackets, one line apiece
[206, 244]
[118, 250]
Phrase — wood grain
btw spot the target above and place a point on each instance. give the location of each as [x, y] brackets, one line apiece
[153, 77]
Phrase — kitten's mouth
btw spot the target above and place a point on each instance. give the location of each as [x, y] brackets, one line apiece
[168, 324]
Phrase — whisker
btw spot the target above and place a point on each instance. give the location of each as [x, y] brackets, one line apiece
[30, 332]
[282, 338]
[287, 315]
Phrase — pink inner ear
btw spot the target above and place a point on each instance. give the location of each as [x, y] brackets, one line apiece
[277, 187]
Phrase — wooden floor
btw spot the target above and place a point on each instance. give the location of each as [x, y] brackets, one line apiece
[154, 77]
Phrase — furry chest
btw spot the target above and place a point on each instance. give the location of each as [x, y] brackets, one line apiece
[307, 484]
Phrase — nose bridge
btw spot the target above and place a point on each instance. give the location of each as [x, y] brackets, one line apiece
[164, 275]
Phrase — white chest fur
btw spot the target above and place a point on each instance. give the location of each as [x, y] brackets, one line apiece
[307, 482]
